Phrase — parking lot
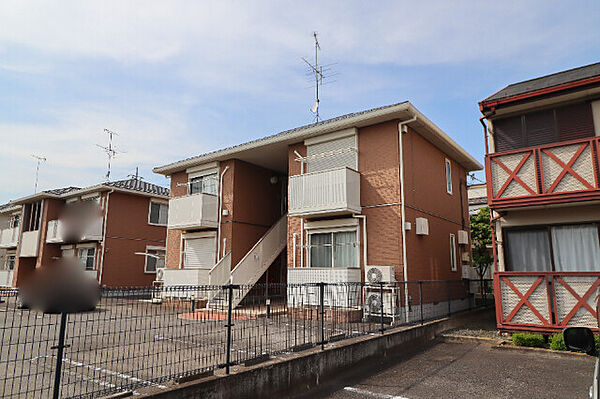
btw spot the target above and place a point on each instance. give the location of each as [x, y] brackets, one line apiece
[467, 370]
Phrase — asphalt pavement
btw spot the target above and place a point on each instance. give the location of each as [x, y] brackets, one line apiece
[466, 370]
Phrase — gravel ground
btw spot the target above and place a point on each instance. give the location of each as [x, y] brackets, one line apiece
[484, 327]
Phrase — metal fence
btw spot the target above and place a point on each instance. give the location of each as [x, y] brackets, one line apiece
[139, 339]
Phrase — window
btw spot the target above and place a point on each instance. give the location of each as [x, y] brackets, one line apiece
[553, 248]
[14, 220]
[200, 250]
[87, 256]
[155, 259]
[32, 215]
[206, 184]
[453, 252]
[448, 176]
[159, 213]
[334, 249]
[10, 262]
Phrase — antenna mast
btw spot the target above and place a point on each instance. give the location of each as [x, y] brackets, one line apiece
[318, 73]
[37, 170]
[110, 150]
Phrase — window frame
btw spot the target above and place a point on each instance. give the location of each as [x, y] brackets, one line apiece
[453, 253]
[87, 249]
[448, 175]
[202, 176]
[332, 232]
[150, 248]
[6, 266]
[160, 203]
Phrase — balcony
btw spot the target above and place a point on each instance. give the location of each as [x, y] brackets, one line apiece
[56, 233]
[9, 238]
[552, 173]
[30, 241]
[193, 211]
[330, 192]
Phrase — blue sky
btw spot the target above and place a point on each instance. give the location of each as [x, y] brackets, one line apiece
[176, 79]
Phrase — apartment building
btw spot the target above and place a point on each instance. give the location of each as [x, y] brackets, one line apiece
[117, 229]
[379, 192]
[543, 187]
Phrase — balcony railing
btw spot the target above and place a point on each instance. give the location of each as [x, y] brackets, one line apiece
[9, 238]
[56, 232]
[330, 192]
[545, 301]
[193, 211]
[551, 173]
[30, 242]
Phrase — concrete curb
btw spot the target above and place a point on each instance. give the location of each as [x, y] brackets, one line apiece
[515, 348]
[469, 338]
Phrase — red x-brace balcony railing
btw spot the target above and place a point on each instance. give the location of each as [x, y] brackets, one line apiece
[557, 172]
[545, 301]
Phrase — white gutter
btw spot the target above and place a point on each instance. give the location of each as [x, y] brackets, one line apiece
[220, 213]
[104, 236]
[364, 219]
[301, 219]
[403, 211]
[294, 250]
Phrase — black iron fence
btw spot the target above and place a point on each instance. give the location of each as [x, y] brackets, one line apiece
[140, 339]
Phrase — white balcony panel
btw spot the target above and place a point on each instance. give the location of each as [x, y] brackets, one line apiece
[93, 232]
[193, 211]
[331, 192]
[302, 293]
[30, 243]
[6, 278]
[9, 238]
[54, 234]
[56, 231]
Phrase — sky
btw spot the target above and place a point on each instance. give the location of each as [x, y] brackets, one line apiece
[181, 78]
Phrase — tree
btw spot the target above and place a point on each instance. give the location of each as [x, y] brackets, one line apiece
[481, 242]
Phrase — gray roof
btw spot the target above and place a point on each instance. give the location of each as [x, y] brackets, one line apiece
[289, 131]
[544, 82]
[61, 191]
[477, 200]
[138, 185]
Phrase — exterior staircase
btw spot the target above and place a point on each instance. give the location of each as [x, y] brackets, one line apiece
[250, 268]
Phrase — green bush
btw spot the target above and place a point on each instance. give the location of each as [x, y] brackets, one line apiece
[528, 339]
[557, 343]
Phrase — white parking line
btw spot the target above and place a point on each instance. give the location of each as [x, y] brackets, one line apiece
[372, 394]
[101, 370]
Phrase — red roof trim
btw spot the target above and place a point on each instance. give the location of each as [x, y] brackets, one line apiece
[540, 92]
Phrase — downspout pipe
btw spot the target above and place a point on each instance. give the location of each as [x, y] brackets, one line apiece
[401, 126]
[301, 218]
[106, 202]
[220, 212]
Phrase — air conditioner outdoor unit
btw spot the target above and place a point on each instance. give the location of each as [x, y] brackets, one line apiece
[422, 226]
[373, 303]
[463, 237]
[379, 274]
[160, 274]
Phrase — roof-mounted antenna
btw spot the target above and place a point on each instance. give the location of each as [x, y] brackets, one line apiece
[40, 159]
[319, 73]
[137, 175]
[110, 150]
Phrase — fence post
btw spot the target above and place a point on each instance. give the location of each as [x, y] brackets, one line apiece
[381, 304]
[449, 299]
[421, 299]
[59, 354]
[322, 300]
[229, 325]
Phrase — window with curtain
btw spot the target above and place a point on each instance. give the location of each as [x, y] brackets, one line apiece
[448, 176]
[154, 260]
[528, 250]
[575, 248]
[86, 256]
[334, 249]
[159, 213]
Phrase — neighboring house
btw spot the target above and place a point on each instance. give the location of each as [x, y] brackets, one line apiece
[324, 203]
[123, 221]
[477, 194]
[543, 186]
[10, 218]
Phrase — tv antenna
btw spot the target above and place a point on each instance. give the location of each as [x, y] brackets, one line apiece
[40, 159]
[319, 73]
[110, 150]
[137, 175]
